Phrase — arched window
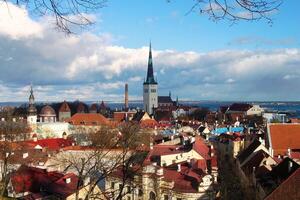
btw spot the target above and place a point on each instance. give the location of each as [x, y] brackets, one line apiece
[152, 196]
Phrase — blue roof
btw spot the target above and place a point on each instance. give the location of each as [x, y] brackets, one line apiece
[220, 130]
[237, 129]
[223, 130]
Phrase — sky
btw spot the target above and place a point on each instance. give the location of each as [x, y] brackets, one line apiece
[195, 58]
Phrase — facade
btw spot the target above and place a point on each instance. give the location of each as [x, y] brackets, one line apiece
[53, 129]
[170, 171]
[255, 110]
[32, 112]
[165, 101]
[150, 97]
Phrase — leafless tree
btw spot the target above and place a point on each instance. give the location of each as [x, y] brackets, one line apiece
[9, 133]
[111, 149]
[235, 10]
[75, 13]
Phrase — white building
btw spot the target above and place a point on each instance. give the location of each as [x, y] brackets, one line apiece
[255, 110]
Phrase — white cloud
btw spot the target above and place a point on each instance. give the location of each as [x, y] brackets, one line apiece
[230, 80]
[89, 66]
[135, 79]
[15, 22]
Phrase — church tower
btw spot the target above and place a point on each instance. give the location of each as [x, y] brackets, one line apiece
[150, 88]
[32, 112]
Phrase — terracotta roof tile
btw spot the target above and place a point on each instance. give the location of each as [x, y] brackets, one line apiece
[288, 189]
[283, 137]
[88, 119]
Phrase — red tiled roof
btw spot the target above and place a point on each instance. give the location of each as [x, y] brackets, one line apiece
[187, 180]
[283, 137]
[62, 188]
[35, 180]
[120, 116]
[200, 147]
[30, 179]
[149, 123]
[289, 189]
[295, 155]
[88, 119]
[295, 120]
[53, 144]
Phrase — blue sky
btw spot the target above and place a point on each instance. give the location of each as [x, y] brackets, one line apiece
[169, 27]
[194, 57]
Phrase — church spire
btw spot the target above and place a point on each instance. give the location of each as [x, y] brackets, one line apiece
[31, 97]
[150, 77]
[31, 108]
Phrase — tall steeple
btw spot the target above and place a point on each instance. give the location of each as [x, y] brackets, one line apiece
[150, 77]
[31, 108]
[31, 97]
[31, 111]
[150, 97]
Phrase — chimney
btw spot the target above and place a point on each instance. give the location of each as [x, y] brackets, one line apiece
[172, 137]
[25, 155]
[126, 96]
[68, 180]
[64, 135]
[290, 166]
[34, 137]
[160, 172]
[289, 152]
[189, 160]
[151, 145]
[178, 167]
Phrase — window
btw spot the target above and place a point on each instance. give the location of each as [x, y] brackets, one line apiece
[112, 185]
[178, 198]
[152, 196]
[128, 198]
[146, 90]
[140, 193]
[120, 186]
[128, 189]
[166, 197]
[153, 90]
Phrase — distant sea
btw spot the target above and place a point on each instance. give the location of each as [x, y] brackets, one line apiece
[293, 108]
